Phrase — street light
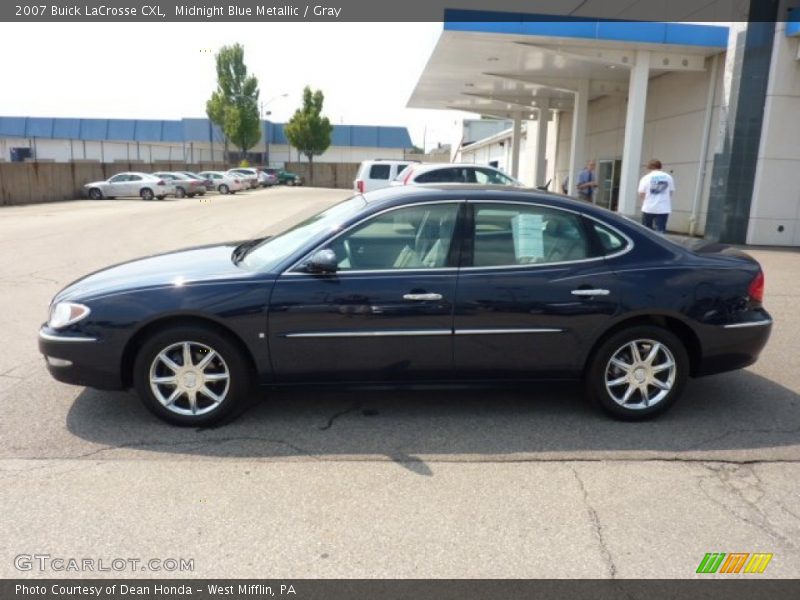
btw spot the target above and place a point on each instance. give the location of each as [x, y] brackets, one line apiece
[266, 125]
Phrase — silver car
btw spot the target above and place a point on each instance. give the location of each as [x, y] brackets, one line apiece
[224, 183]
[250, 176]
[131, 183]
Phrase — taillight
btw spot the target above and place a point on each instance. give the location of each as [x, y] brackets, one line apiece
[407, 177]
[756, 288]
[160, 182]
[360, 185]
[235, 181]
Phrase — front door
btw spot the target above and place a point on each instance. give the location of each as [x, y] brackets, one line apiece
[533, 294]
[385, 315]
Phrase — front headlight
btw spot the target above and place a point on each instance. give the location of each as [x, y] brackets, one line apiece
[66, 313]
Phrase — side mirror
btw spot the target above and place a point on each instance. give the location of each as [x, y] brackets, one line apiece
[323, 261]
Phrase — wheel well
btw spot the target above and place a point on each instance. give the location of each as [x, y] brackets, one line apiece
[689, 338]
[135, 343]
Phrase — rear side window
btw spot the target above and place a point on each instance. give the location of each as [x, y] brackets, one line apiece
[515, 234]
[379, 171]
[400, 169]
[441, 176]
[610, 242]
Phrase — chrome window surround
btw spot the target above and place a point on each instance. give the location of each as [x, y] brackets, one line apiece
[629, 246]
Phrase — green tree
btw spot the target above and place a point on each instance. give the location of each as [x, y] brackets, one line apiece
[233, 106]
[308, 130]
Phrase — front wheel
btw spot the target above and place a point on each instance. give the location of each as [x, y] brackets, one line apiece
[191, 376]
[95, 194]
[638, 373]
[146, 194]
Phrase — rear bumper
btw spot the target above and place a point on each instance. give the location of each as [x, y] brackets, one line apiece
[734, 345]
[79, 360]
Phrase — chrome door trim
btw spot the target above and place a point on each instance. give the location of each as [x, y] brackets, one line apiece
[375, 333]
[748, 324]
[507, 331]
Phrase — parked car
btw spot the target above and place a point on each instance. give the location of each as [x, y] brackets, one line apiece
[132, 183]
[285, 177]
[266, 179]
[249, 176]
[411, 285]
[184, 185]
[209, 185]
[376, 174]
[223, 181]
[453, 173]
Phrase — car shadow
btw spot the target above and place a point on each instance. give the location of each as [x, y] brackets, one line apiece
[736, 416]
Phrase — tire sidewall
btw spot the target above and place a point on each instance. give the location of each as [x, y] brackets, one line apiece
[240, 379]
[595, 374]
[146, 194]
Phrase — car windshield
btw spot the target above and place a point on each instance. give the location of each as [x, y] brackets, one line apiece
[272, 251]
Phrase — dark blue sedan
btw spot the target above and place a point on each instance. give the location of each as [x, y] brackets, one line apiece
[447, 284]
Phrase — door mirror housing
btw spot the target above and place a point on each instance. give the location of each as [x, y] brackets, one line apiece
[323, 261]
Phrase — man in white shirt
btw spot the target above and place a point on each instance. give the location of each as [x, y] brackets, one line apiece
[656, 190]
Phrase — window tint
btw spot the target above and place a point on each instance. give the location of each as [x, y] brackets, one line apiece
[442, 176]
[610, 242]
[492, 177]
[400, 169]
[379, 171]
[515, 234]
[118, 179]
[134, 178]
[415, 237]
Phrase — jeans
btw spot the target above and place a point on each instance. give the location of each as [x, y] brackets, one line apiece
[656, 222]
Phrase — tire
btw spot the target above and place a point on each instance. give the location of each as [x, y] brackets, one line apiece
[215, 399]
[645, 399]
[180, 192]
[223, 189]
[111, 197]
[95, 194]
[146, 194]
[160, 197]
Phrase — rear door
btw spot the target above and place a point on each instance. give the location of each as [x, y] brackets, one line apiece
[533, 294]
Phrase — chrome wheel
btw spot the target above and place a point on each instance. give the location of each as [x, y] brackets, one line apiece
[640, 374]
[189, 378]
[146, 194]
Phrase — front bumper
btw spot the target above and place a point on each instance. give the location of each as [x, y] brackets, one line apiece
[80, 360]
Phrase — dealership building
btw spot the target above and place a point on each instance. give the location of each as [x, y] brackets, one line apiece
[186, 140]
[717, 103]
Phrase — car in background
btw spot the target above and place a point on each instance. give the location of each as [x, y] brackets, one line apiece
[417, 285]
[376, 174]
[454, 173]
[285, 177]
[185, 186]
[249, 176]
[209, 185]
[223, 181]
[266, 179]
[131, 183]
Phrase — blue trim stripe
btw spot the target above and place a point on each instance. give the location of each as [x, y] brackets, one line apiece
[184, 130]
[793, 22]
[683, 34]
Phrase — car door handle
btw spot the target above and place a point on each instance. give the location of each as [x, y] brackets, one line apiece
[591, 292]
[422, 297]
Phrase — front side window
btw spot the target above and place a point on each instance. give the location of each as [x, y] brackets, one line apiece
[414, 237]
[118, 179]
[379, 171]
[516, 234]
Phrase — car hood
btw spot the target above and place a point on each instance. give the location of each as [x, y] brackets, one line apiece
[94, 183]
[183, 267]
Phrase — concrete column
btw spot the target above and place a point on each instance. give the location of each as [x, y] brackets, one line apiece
[540, 156]
[578, 145]
[634, 133]
[516, 134]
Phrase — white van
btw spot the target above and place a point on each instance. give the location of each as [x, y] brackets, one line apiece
[376, 174]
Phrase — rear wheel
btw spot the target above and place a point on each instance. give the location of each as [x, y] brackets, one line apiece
[191, 376]
[638, 373]
[180, 192]
[95, 194]
[223, 189]
[146, 194]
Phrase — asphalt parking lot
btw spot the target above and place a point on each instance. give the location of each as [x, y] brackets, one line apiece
[498, 483]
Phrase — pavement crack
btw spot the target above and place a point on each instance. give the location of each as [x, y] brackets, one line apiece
[597, 527]
[356, 406]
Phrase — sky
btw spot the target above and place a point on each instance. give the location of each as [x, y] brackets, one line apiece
[367, 71]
